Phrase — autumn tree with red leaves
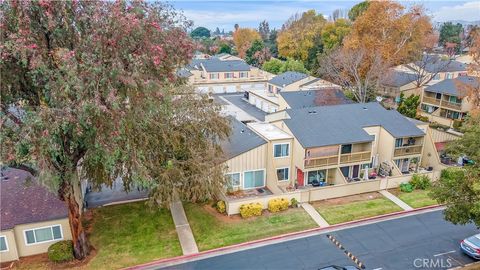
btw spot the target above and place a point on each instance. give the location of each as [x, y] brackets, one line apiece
[89, 91]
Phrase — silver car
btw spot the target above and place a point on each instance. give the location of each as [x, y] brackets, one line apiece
[471, 246]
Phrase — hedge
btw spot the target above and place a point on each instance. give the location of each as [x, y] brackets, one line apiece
[277, 205]
[250, 210]
[61, 251]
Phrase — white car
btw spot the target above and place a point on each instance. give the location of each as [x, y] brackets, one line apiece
[471, 246]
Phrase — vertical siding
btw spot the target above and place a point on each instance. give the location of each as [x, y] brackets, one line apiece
[254, 159]
[12, 253]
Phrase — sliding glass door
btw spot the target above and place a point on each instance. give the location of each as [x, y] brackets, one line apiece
[253, 179]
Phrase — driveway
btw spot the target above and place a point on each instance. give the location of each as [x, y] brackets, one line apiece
[423, 241]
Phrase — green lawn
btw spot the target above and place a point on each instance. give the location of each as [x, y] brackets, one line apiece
[129, 234]
[417, 198]
[334, 214]
[212, 232]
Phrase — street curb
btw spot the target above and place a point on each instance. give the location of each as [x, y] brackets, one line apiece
[286, 236]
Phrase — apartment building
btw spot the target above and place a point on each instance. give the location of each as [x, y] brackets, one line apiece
[223, 73]
[397, 82]
[446, 101]
[325, 145]
[268, 100]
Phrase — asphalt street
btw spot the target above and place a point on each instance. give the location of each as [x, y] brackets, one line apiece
[423, 241]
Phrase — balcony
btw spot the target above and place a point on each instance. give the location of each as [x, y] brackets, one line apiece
[408, 150]
[431, 100]
[237, 79]
[321, 161]
[451, 105]
[355, 157]
[336, 160]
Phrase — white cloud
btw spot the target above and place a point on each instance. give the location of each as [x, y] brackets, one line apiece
[469, 11]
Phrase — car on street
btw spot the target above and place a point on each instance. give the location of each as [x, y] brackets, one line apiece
[471, 246]
[336, 267]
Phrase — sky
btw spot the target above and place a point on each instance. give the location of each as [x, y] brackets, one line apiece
[248, 13]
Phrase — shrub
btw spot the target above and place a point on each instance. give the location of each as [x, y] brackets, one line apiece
[277, 205]
[61, 251]
[294, 202]
[221, 207]
[406, 187]
[250, 210]
[457, 124]
[420, 181]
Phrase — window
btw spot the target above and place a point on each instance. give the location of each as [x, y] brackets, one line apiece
[438, 96]
[228, 75]
[233, 179]
[281, 150]
[44, 234]
[437, 77]
[243, 74]
[399, 142]
[254, 179]
[452, 99]
[346, 149]
[282, 174]
[345, 171]
[213, 76]
[316, 176]
[449, 76]
[3, 244]
[270, 88]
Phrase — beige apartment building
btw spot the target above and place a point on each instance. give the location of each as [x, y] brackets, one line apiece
[32, 218]
[312, 153]
[446, 101]
[223, 73]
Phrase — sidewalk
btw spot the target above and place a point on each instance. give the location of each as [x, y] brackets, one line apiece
[395, 199]
[185, 235]
[315, 215]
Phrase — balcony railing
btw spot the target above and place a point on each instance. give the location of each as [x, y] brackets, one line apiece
[321, 161]
[408, 150]
[355, 157]
[222, 80]
[336, 160]
[431, 100]
[451, 105]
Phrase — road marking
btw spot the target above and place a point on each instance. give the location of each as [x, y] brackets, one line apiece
[348, 253]
[378, 268]
[440, 254]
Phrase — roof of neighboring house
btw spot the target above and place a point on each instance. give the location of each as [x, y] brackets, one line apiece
[24, 200]
[216, 65]
[453, 86]
[398, 78]
[312, 98]
[287, 78]
[343, 124]
[184, 73]
[434, 63]
[241, 140]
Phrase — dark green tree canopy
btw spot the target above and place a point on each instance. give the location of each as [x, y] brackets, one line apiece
[408, 106]
[450, 33]
[200, 32]
[357, 10]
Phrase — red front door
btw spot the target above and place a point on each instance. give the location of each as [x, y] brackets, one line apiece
[300, 177]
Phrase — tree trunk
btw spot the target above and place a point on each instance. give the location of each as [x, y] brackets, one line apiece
[81, 246]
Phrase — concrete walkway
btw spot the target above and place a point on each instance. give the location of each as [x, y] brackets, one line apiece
[396, 200]
[315, 215]
[185, 235]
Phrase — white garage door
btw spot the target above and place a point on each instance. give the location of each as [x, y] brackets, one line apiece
[218, 89]
[265, 106]
[246, 87]
[252, 99]
[258, 104]
[259, 86]
[202, 89]
[231, 89]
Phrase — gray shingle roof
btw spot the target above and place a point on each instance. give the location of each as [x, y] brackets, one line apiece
[312, 98]
[287, 78]
[434, 63]
[184, 73]
[453, 86]
[241, 140]
[398, 78]
[24, 200]
[343, 124]
[216, 65]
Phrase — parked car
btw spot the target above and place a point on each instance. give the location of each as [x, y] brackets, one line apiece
[471, 246]
[336, 267]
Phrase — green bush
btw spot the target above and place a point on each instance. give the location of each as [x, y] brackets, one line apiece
[406, 187]
[294, 202]
[277, 205]
[457, 124]
[421, 118]
[420, 181]
[221, 207]
[61, 251]
[250, 210]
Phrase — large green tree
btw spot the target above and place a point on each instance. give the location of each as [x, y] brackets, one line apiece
[95, 82]
[408, 106]
[357, 10]
[459, 188]
[200, 32]
[273, 66]
[450, 33]
[257, 54]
